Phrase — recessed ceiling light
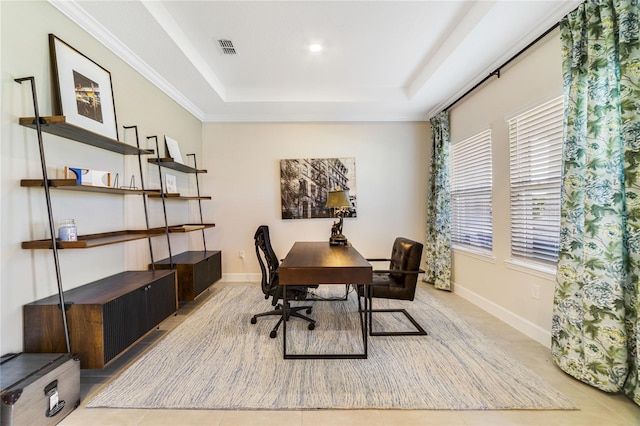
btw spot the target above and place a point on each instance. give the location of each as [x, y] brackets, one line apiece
[315, 48]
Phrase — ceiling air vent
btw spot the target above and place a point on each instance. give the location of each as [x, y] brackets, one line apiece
[227, 47]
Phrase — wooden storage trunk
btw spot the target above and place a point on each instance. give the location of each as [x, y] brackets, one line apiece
[38, 388]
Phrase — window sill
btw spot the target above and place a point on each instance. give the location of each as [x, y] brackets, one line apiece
[539, 270]
[485, 256]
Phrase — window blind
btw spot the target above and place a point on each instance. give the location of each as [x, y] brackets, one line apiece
[535, 139]
[471, 181]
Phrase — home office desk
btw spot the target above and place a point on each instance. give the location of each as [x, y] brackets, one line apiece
[310, 263]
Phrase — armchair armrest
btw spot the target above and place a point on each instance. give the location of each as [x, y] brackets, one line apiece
[397, 271]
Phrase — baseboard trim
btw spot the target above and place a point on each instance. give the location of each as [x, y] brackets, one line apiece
[242, 278]
[523, 325]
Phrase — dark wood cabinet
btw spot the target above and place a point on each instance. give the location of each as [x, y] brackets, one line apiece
[197, 270]
[104, 317]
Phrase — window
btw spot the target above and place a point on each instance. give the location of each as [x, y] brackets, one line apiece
[471, 181]
[535, 139]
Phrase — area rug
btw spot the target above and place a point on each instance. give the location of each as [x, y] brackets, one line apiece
[217, 359]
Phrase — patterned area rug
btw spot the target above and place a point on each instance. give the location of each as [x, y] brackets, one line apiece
[216, 359]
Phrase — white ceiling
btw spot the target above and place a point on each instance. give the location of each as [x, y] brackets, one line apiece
[381, 60]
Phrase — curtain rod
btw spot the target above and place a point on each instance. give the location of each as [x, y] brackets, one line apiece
[497, 71]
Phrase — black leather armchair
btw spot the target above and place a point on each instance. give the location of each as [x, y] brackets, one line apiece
[271, 288]
[399, 282]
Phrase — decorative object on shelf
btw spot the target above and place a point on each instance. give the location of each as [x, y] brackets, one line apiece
[67, 230]
[304, 184]
[83, 90]
[173, 150]
[339, 201]
[132, 183]
[171, 186]
[88, 177]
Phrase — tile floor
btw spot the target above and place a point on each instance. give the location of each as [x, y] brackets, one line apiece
[594, 407]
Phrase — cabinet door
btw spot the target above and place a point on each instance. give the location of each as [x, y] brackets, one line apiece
[125, 321]
[214, 264]
[161, 300]
[201, 276]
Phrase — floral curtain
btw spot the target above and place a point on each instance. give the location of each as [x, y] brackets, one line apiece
[438, 241]
[596, 326]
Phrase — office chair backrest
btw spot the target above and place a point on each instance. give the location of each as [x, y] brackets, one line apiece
[269, 263]
[406, 255]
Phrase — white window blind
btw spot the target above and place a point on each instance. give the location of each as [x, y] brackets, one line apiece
[471, 181]
[535, 139]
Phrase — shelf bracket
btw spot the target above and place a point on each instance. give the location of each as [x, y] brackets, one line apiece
[144, 194]
[45, 182]
[195, 166]
[163, 196]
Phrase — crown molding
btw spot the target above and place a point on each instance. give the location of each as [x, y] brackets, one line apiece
[312, 118]
[72, 10]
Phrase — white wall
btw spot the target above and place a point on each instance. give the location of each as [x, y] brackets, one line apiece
[243, 163]
[496, 283]
[28, 275]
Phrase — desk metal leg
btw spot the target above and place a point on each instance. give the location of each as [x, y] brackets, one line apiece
[367, 321]
[284, 321]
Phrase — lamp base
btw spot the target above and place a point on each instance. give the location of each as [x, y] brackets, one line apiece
[338, 240]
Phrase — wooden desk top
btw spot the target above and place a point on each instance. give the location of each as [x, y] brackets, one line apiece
[311, 263]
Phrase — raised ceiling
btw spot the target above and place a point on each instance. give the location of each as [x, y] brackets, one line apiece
[380, 60]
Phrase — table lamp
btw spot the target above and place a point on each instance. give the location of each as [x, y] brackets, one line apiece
[338, 200]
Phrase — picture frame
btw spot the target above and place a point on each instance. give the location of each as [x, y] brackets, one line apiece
[306, 182]
[171, 186]
[83, 92]
[173, 149]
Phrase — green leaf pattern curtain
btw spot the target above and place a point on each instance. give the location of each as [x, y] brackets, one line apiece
[596, 327]
[438, 240]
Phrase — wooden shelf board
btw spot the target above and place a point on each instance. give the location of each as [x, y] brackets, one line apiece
[94, 240]
[107, 238]
[169, 163]
[57, 125]
[72, 185]
[54, 183]
[190, 227]
[180, 197]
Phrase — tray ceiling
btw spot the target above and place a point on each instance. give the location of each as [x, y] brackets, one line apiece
[380, 60]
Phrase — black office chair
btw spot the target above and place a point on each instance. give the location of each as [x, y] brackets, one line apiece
[398, 282]
[269, 264]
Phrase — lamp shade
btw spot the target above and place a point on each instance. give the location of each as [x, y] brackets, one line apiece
[338, 199]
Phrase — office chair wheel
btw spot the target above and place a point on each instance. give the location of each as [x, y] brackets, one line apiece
[309, 311]
[273, 334]
[311, 326]
[254, 320]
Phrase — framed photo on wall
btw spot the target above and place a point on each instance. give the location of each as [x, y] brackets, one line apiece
[82, 90]
[305, 183]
